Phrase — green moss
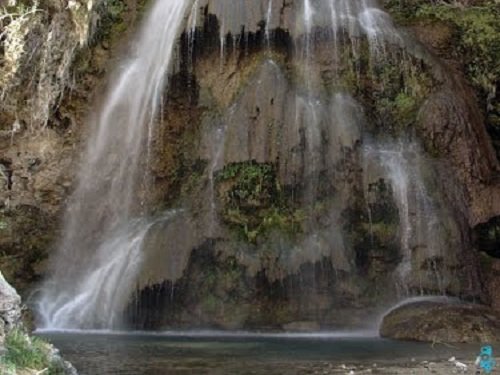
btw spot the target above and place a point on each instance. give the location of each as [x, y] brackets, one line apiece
[254, 203]
[111, 20]
[401, 110]
[475, 42]
[253, 183]
[398, 92]
[478, 32]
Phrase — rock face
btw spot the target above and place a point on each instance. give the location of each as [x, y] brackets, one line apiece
[310, 202]
[491, 274]
[308, 195]
[12, 325]
[41, 124]
[10, 309]
[441, 322]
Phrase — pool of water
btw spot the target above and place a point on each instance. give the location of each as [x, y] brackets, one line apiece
[101, 353]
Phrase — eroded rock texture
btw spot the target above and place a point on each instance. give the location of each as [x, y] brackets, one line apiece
[441, 322]
[317, 184]
[10, 309]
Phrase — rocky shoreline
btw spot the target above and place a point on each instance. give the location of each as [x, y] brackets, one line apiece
[21, 353]
[410, 368]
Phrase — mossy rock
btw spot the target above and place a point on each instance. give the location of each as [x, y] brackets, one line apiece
[254, 203]
[474, 42]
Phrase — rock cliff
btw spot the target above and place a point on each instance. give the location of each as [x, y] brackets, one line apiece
[277, 228]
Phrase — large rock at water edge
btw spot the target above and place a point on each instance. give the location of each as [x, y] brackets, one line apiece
[10, 309]
[442, 322]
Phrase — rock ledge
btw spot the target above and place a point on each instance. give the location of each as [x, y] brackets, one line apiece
[442, 322]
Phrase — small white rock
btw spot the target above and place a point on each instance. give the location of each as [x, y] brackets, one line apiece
[460, 365]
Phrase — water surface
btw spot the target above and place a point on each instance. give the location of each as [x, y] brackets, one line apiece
[240, 353]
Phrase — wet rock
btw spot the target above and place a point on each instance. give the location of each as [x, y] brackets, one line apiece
[442, 322]
[490, 268]
[305, 326]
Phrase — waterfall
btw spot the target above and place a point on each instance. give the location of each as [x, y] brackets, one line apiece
[401, 166]
[100, 251]
[269, 15]
[344, 18]
[217, 144]
[301, 116]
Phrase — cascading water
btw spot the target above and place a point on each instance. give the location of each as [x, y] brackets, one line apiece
[350, 20]
[419, 224]
[217, 144]
[304, 135]
[100, 251]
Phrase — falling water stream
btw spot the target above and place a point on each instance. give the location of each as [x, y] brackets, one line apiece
[101, 251]
[401, 166]
[100, 254]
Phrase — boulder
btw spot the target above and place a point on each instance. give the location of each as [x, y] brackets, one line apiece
[10, 304]
[10, 309]
[442, 322]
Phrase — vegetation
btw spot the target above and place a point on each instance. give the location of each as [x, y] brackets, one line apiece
[111, 21]
[475, 42]
[391, 89]
[478, 33]
[24, 352]
[254, 202]
[398, 92]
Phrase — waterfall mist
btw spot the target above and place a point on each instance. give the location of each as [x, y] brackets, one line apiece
[100, 252]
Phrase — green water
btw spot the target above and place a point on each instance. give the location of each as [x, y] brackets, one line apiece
[158, 354]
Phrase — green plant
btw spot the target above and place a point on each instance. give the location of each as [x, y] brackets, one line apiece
[7, 368]
[253, 201]
[478, 32]
[25, 352]
[474, 41]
